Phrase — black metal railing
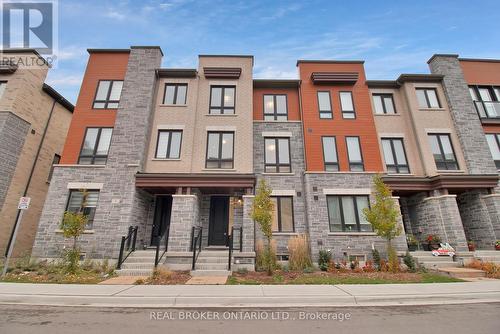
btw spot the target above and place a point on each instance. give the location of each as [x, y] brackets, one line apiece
[196, 236]
[230, 240]
[161, 240]
[127, 245]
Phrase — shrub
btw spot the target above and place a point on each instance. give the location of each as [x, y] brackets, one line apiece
[262, 256]
[161, 274]
[383, 265]
[409, 261]
[262, 213]
[376, 258]
[492, 270]
[354, 264]
[393, 264]
[324, 259]
[368, 267]
[139, 281]
[298, 250]
[242, 271]
[71, 258]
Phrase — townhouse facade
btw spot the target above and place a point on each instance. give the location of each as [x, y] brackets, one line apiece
[177, 153]
[34, 120]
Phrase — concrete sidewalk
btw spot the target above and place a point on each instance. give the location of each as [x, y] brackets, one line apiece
[193, 296]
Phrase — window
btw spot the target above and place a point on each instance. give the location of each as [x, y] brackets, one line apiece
[354, 154]
[108, 94]
[222, 99]
[395, 156]
[444, 156]
[427, 98]
[384, 104]
[330, 157]
[282, 214]
[175, 94]
[3, 84]
[494, 144]
[324, 105]
[486, 100]
[87, 206]
[55, 161]
[95, 146]
[347, 105]
[345, 213]
[275, 108]
[169, 144]
[277, 156]
[220, 150]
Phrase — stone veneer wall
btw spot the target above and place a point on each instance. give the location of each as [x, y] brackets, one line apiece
[340, 243]
[185, 215]
[120, 204]
[492, 203]
[467, 124]
[284, 181]
[13, 130]
[476, 219]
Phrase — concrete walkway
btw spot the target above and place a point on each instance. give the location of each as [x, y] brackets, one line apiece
[182, 296]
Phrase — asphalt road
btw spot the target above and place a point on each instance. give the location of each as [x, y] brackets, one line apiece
[456, 319]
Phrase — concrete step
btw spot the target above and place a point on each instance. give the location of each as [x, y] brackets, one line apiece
[487, 253]
[214, 253]
[439, 264]
[489, 258]
[141, 259]
[211, 266]
[134, 272]
[146, 266]
[196, 273]
[433, 258]
[211, 259]
[463, 272]
[142, 253]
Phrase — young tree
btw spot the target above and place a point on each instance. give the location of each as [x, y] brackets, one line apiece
[262, 213]
[383, 216]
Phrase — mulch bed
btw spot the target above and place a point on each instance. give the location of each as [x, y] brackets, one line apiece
[167, 278]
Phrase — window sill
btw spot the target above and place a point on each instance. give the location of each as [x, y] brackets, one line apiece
[223, 115]
[400, 174]
[219, 169]
[387, 114]
[173, 105]
[359, 234]
[288, 174]
[83, 166]
[58, 231]
[431, 109]
[166, 159]
[275, 121]
[285, 233]
[446, 171]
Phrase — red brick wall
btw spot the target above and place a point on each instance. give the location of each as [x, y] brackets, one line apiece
[101, 66]
[292, 102]
[314, 127]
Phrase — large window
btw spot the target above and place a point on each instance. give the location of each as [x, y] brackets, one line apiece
[275, 108]
[3, 84]
[345, 213]
[487, 100]
[169, 144]
[324, 105]
[282, 214]
[108, 94]
[55, 160]
[330, 157]
[347, 105]
[222, 99]
[427, 98]
[277, 157]
[220, 150]
[494, 144]
[95, 146]
[443, 152]
[175, 94]
[354, 154]
[395, 156]
[84, 202]
[384, 104]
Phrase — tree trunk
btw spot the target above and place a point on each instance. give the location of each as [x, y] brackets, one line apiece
[268, 258]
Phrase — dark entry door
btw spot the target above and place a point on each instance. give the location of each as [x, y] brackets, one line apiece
[163, 209]
[219, 220]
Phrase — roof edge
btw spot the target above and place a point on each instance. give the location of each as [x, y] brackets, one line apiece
[276, 83]
[148, 47]
[450, 55]
[108, 51]
[420, 77]
[383, 83]
[312, 61]
[58, 97]
[486, 60]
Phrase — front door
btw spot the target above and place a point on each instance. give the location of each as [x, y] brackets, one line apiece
[163, 209]
[218, 221]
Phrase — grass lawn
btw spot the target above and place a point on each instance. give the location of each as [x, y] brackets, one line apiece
[256, 278]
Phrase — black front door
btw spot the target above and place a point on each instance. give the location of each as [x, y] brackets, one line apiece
[218, 221]
[161, 220]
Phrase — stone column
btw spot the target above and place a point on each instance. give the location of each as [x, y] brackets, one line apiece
[185, 215]
[492, 203]
[476, 218]
[248, 224]
[399, 243]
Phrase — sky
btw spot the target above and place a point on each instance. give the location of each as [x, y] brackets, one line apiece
[393, 37]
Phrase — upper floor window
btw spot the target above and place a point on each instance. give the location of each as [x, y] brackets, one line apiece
[427, 98]
[169, 144]
[108, 94]
[330, 157]
[175, 94]
[345, 213]
[486, 100]
[275, 108]
[95, 146]
[220, 150]
[494, 144]
[324, 105]
[3, 84]
[283, 214]
[347, 105]
[222, 99]
[384, 104]
[395, 156]
[84, 202]
[354, 154]
[277, 157]
[443, 152]
[55, 160]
